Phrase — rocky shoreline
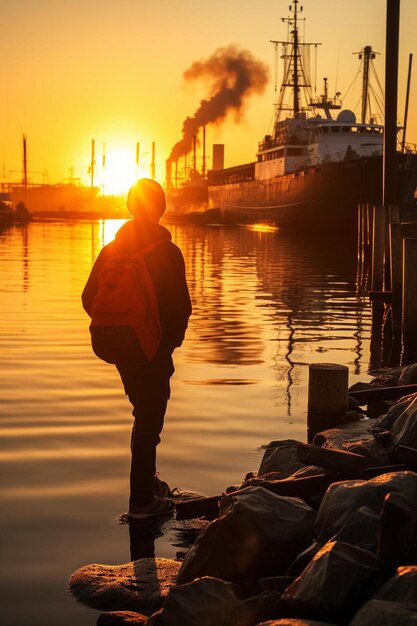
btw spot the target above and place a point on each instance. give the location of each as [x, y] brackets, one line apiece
[323, 533]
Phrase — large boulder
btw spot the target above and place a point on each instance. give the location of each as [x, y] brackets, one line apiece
[343, 499]
[384, 613]
[408, 375]
[335, 583]
[141, 585]
[203, 602]
[402, 587]
[355, 437]
[362, 529]
[387, 421]
[404, 429]
[258, 534]
[280, 460]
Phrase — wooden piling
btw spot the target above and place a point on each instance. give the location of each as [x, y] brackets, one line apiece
[396, 281]
[378, 238]
[327, 396]
[409, 301]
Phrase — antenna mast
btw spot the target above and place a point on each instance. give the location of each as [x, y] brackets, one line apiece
[295, 76]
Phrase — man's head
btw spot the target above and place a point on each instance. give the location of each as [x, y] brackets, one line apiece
[146, 199]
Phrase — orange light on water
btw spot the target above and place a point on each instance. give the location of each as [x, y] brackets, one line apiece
[264, 228]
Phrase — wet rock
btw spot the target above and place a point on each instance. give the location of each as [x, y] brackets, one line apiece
[121, 618]
[386, 422]
[344, 498]
[383, 613]
[361, 529]
[404, 429]
[386, 376]
[141, 585]
[258, 534]
[203, 602]
[402, 587]
[408, 375]
[335, 583]
[280, 459]
[355, 437]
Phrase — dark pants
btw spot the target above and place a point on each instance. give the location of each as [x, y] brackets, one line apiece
[148, 389]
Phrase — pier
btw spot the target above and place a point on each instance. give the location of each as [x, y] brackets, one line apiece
[387, 234]
[387, 270]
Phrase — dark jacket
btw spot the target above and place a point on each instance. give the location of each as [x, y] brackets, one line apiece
[166, 267]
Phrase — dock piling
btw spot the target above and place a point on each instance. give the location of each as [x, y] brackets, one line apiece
[327, 396]
[409, 301]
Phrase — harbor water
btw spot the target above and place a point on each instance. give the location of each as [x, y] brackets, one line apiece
[266, 304]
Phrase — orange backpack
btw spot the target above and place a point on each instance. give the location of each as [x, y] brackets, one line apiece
[125, 324]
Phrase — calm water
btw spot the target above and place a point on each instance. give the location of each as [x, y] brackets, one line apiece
[265, 306]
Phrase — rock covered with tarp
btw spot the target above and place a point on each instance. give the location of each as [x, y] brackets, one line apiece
[402, 587]
[343, 499]
[206, 601]
[258, 534]
[355, 437]
[383, 613]
[335, 583]
[280, 460]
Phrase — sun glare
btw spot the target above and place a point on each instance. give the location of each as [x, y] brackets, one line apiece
[120, 172]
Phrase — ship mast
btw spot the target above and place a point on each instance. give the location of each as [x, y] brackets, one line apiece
[295, 75]
[295, 60]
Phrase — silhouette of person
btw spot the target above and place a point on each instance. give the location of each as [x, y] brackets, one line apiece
[148, 386]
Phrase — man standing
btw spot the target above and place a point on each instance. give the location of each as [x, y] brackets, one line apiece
[147, 385]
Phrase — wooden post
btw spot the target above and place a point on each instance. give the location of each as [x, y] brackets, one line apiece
[409, 315]
[378, 248]
[396, 254]
[396, 282]
[327, 396]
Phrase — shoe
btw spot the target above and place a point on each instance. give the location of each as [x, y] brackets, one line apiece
[161, 489]
[157, 508]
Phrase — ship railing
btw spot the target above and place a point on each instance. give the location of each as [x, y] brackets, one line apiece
[345, 155]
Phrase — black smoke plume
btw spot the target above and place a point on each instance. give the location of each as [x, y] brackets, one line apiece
[234, 74]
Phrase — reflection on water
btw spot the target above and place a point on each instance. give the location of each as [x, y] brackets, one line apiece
[265, 306]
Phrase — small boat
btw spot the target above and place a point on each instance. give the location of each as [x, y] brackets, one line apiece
[313, 169]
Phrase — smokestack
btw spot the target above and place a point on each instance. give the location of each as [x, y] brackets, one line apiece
[235, 75]
[218, 156]
[204, 152]
[195, 153]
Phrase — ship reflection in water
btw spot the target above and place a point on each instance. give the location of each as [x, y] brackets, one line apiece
[274, 301]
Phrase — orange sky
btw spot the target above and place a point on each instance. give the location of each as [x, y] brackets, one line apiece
[74, 70]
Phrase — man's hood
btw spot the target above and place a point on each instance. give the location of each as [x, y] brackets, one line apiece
[139, 233]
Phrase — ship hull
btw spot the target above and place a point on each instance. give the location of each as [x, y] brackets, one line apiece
[313, 197]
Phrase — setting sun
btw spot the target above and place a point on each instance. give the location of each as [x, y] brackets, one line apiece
[120, 171]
